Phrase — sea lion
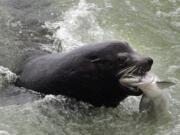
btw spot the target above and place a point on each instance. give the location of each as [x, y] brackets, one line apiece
[90, 73]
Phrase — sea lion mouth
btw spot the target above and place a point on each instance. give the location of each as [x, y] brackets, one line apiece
[133, 76]
[134, 81]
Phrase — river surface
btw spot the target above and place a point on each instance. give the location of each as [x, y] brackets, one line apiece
[152, 27]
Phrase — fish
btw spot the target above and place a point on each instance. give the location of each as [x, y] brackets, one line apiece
[154, 100]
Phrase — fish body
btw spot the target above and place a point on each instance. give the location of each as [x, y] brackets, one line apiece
[153, 100]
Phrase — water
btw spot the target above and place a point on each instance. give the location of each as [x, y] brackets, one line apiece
[152, 27]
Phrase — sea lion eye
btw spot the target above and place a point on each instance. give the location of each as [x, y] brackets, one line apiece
[122, 57]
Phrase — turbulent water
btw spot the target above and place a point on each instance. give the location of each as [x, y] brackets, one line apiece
[152, 27]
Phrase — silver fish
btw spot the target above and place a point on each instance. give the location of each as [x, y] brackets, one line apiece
[153, 99]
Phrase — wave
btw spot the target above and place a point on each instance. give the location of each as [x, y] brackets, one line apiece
[79, 26]
[6, 77]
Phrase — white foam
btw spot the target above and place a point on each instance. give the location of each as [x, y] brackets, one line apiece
[129, 4]
[175, 24]
[79, 26]
[173, 1]
[175, 13]
[6, 76]
[131, 104]
[3, 132]
[157, 2]
[108, 4]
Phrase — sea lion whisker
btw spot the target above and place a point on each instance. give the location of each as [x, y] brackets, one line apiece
[124, 70]
[129, 71]
[132, 72]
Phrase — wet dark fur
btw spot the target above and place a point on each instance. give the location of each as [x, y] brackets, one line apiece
[89, 73]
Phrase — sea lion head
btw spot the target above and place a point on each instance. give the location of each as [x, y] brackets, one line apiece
[120, 59]
[133, 63]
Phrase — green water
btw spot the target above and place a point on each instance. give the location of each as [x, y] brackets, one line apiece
[152, 27]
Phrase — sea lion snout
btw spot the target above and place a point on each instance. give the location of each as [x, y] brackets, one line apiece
[142, 64]
[149, 60]
[146, 63]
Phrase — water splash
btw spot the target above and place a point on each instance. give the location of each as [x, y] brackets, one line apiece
[2, 132]
[79, 26]
[6, 77]
[174, 13]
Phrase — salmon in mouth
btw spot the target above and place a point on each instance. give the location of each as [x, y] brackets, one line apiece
[134, 75]
[153, 98]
